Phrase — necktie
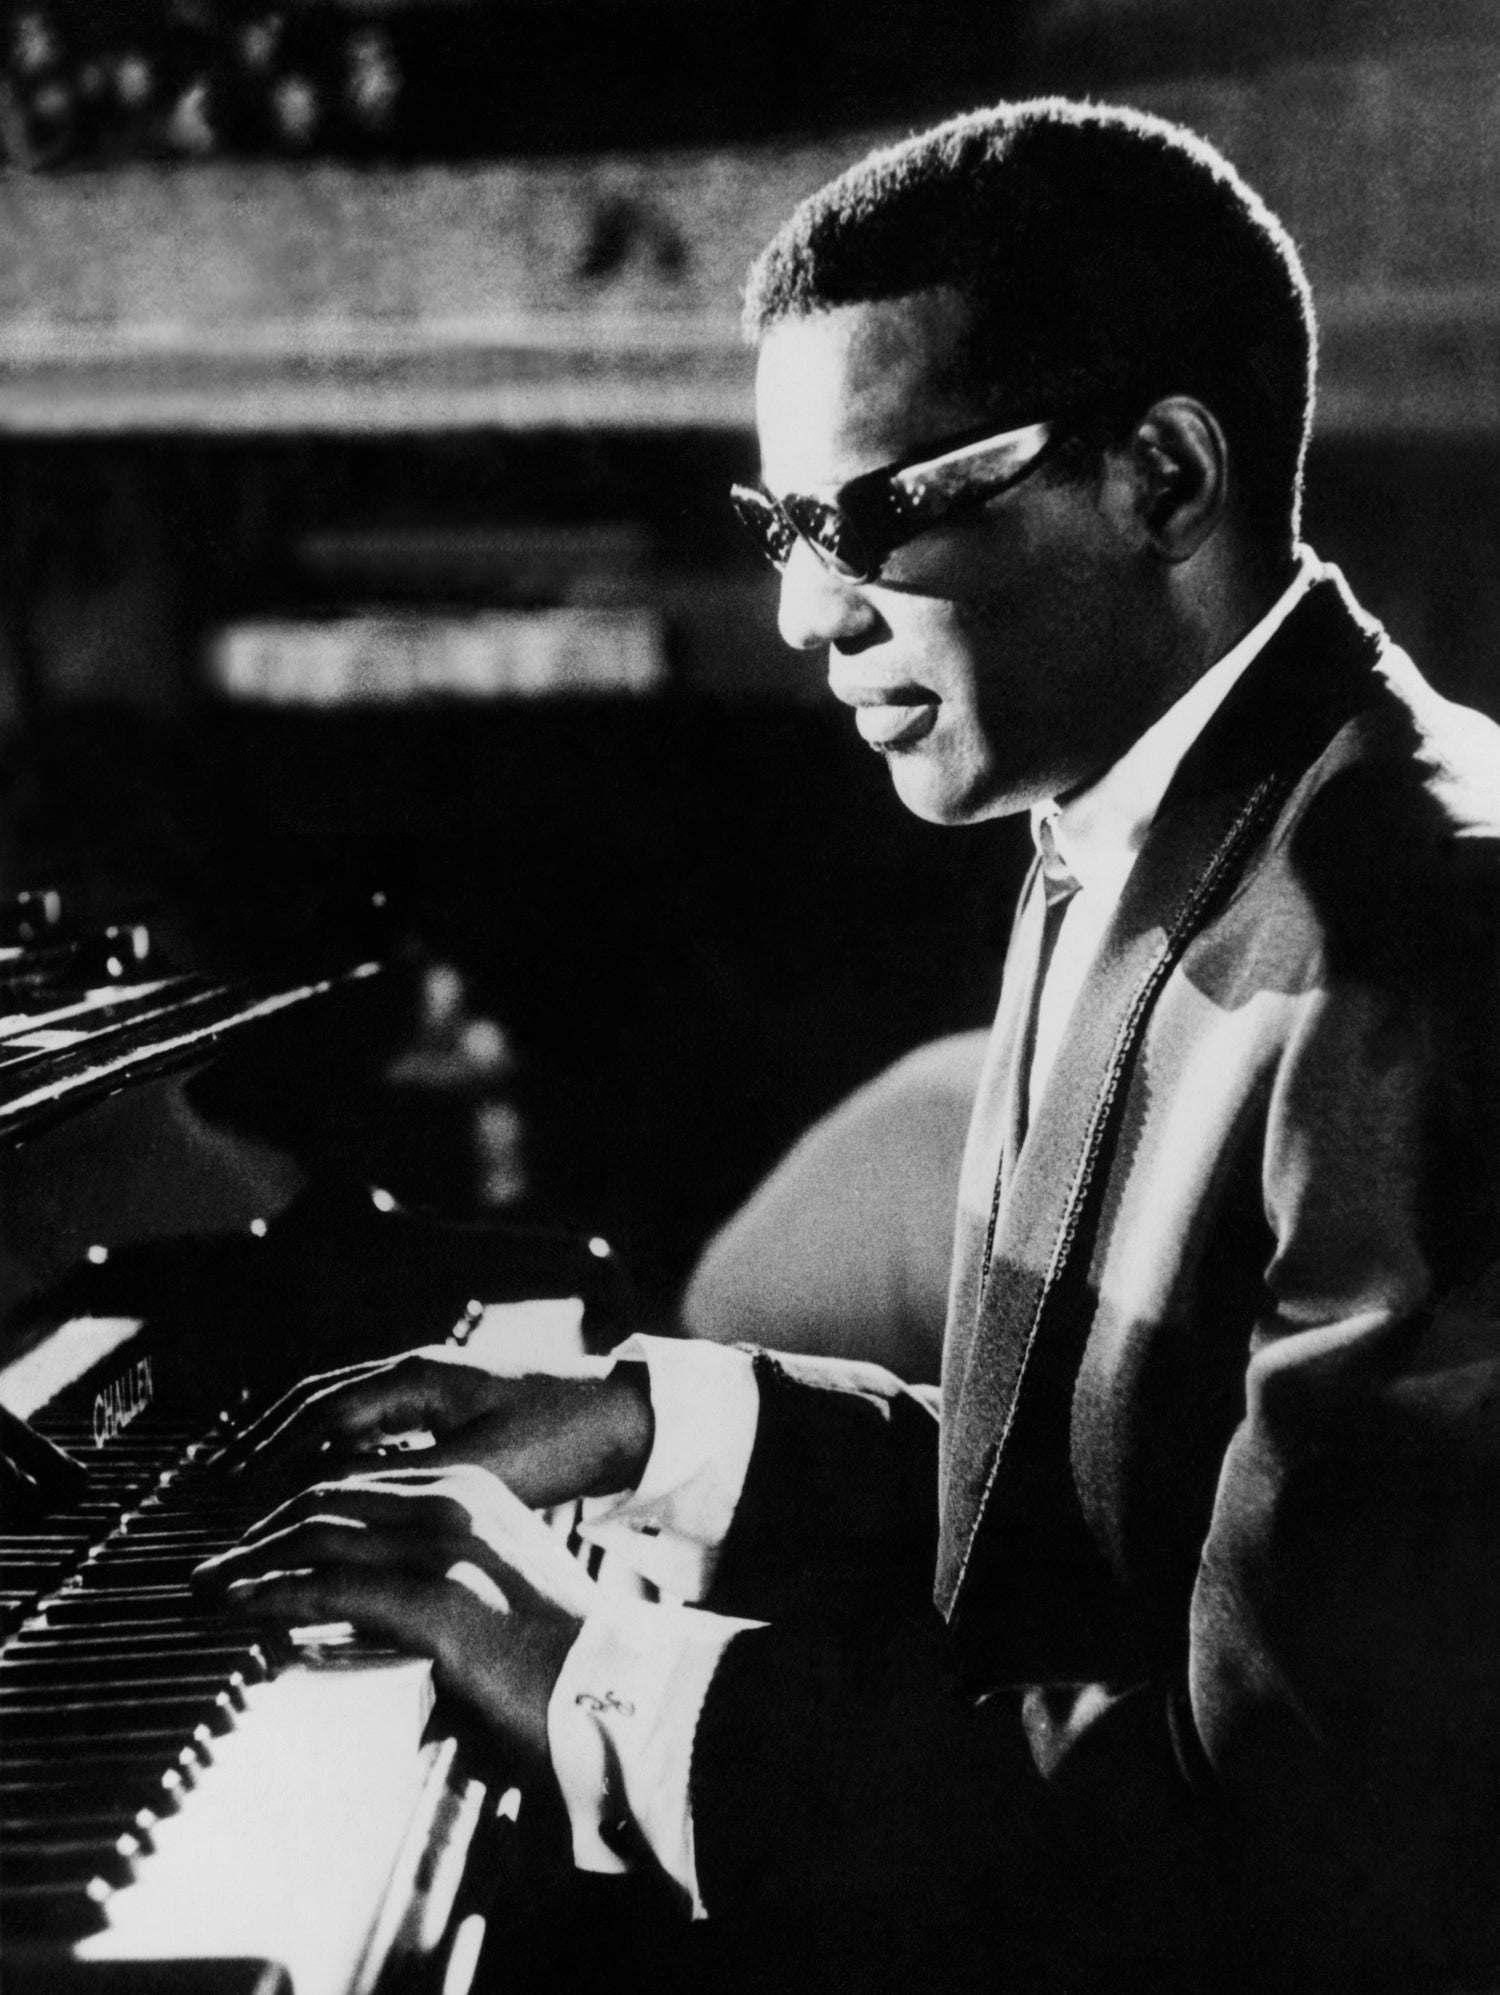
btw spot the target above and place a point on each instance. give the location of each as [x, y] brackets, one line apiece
[1058, 884]
[1058, 889]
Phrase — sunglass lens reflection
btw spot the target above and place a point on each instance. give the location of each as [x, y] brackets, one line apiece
[831, 533]
[766, 525]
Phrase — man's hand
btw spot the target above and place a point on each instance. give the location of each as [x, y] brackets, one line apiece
[447, 1564]
[548, 1438]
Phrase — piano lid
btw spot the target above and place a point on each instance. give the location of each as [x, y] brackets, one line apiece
[91, 1043]
[84, 1016]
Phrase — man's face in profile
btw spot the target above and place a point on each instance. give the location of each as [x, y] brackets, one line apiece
[991, 662]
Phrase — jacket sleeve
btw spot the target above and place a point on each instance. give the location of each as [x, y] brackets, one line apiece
[846, 1788]
[843, 1781]
[838, 1513]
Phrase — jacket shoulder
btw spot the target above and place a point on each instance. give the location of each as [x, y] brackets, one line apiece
[1394, 834]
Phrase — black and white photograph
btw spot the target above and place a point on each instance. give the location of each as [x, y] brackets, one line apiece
[750, 997]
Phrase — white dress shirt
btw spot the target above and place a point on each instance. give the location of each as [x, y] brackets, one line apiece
[626, 1706]
[1098, 833]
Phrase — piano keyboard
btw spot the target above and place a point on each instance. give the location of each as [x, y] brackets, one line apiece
[171, 1787]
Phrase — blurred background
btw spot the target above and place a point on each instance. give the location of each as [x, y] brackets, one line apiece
[369, 387]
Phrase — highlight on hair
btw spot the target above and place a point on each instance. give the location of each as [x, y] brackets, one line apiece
[1110, 258]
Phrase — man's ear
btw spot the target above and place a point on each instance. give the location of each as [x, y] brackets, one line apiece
[1180, 460]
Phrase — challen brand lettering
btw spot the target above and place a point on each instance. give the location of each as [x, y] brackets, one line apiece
[117, 1404]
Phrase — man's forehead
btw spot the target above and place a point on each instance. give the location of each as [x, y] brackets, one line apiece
[841, 391]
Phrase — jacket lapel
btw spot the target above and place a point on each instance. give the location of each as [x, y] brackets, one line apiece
[1006, 1288]
[994, 1126]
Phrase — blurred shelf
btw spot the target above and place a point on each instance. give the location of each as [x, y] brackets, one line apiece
[243, 298]
[602, 293]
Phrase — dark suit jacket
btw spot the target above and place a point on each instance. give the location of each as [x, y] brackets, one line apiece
[1213, 1680]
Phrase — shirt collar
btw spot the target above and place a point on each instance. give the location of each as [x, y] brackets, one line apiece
[1098, 832]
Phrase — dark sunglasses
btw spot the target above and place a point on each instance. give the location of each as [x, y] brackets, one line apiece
[856, 531]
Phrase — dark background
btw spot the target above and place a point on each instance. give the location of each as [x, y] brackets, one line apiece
[699, 917]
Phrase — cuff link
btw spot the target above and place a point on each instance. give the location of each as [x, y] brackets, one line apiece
[589, 1701]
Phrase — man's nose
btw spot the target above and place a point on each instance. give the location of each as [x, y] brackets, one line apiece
[818, 607]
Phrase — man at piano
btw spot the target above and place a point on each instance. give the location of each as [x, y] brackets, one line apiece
[1165, 1652]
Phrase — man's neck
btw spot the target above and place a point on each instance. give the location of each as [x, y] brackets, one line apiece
[1120, 801]
[1215, 609]
[1233, 592]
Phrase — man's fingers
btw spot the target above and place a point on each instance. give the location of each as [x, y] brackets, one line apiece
[349, 1410]
[549, 1438]
[457, 1616]
[421, 1520]
[418, 1517]
[236, 1452]
[346, 1411]
[319, 1541]
[379, 1496]
[492, 1645]
[407, 1608]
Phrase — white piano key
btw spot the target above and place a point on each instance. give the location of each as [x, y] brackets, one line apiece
[291, 1838]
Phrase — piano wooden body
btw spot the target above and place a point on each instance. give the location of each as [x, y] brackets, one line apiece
[185, 1806]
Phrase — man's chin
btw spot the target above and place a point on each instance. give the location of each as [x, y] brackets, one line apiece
[943, 795]
[931, 793]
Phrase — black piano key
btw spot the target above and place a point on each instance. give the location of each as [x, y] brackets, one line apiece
[114, 1572]
[179, 1488]
[207, 1536]
[99, 1682]
[177, 1740]
[75, 1631]
[119, 1462]
[151, 1535]
[153, 1646]
[50, 1911]
[22, 1686]
[99, 1519]
[108, 1497]
[66, 1762]
[72, 1859]
[44, 1971]
[112, 1679]
[59, 1544]
[156, 1452]
[25, 1721]
[154, 1775]
[120, 1789]
[36, 1584]
[102, 1607]
[141, 1441]
[145, 1529]
[75, 1825]
[22, 1605]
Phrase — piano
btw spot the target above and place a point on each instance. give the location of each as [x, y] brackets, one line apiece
[185, 1806]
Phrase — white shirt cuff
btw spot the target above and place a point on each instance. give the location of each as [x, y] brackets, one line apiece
[705, 1405]
[621, 1724]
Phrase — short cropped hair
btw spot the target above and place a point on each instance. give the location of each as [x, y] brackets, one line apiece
[1111, 258]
